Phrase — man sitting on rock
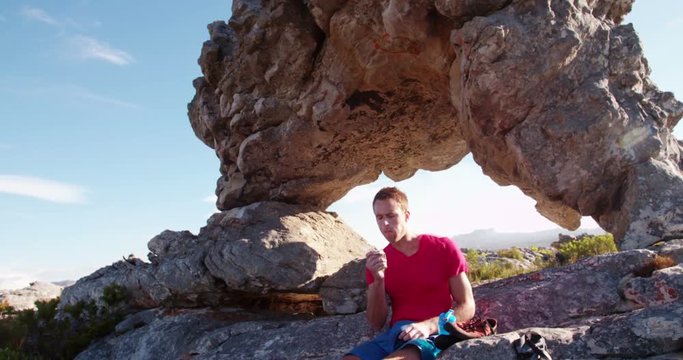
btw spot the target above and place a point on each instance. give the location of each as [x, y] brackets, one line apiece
[423, 275]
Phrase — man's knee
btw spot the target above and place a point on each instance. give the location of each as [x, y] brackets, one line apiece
[407, 353]
[351, 357]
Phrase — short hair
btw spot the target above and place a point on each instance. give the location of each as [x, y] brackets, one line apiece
[393, 193]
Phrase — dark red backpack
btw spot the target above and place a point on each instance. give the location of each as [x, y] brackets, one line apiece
[472, 329]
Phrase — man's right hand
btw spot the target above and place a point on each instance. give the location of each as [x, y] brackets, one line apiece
[376, 262]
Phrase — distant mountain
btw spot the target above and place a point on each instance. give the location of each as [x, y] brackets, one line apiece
[489, 239]
[23, 299]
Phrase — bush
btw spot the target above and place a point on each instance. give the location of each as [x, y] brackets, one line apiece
[12, 331]
[512, 253]
[480, 270]
[5, 308]
[8, 354]
[492, 270]
[572, 251]
[472, 255]
[568, 252]
[39, 333]
[114, 294]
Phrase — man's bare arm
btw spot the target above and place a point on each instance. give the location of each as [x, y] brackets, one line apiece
[377, 309]
[377, 304]
[463, 299]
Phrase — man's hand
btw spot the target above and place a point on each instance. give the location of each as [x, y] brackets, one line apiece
[376, 262]
[418, 330]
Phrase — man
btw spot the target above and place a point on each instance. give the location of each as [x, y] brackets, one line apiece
[423, 275]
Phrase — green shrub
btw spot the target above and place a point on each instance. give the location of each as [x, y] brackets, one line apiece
[512, 253]
[114, 294]
[567, 253]
[39, 333]
[572, 251]
[472, 255]
[8, 354]
[5, 308]
[499, 269]
[12, 332]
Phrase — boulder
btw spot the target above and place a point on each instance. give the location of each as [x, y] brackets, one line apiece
[345, 291]
[271, 245]
[272, 255]
[178, 280]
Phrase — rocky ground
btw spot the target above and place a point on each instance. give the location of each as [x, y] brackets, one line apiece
[612, 306]
[594, 309]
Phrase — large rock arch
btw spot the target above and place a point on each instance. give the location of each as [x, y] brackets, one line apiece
[302, 101]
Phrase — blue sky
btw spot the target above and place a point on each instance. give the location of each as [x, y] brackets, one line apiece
[97, 155]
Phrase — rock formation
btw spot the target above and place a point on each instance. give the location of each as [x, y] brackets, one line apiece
[270, 253]
[302, 101]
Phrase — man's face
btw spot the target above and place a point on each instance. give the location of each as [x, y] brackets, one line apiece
[391, 219]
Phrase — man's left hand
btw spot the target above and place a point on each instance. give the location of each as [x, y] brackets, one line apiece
[418, 330]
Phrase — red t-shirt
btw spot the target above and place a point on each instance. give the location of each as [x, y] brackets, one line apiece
[418, 284]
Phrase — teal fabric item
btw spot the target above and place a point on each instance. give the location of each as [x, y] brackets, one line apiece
[382, 345]
[428, 350]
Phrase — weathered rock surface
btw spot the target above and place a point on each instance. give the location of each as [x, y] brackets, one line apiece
[578, 309]
[673, 249]
[25, 298]
[570, 294]
[315, 115]
[258, 250]
[304, 102]
[344, 291]
[180, 279]
[663, 286]
[277, 246]
[638, 335]
[214, 334]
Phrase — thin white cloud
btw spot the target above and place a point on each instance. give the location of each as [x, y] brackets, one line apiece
[210, 199]
[43, 189]
[39, 15]
[38, 88]
[104, 99]
[82, 46]
[90, 48]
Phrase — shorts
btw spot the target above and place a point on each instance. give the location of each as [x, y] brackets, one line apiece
[388, 342]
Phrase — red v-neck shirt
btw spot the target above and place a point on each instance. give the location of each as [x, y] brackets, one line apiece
[418, 285]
